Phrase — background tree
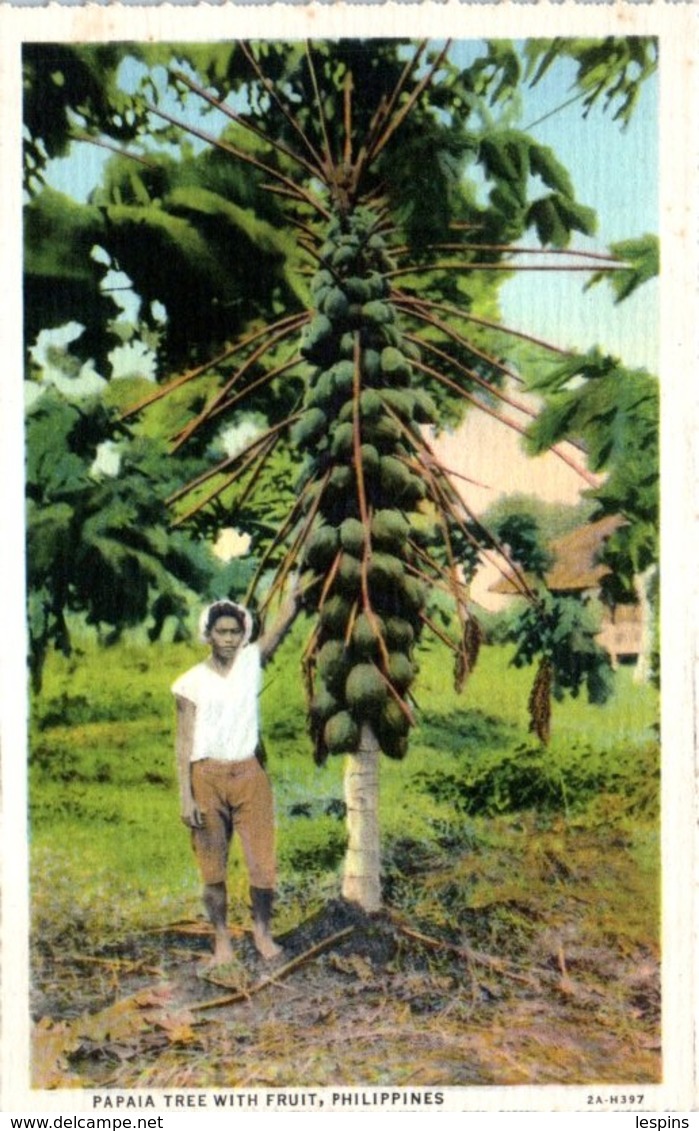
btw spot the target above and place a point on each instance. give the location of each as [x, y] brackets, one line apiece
[404, 260]
[616, 410]
[98, 542]
[557, 632]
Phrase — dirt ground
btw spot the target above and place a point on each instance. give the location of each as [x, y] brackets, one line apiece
[355, 1000]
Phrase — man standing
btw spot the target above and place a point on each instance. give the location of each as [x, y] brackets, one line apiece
[223, 786]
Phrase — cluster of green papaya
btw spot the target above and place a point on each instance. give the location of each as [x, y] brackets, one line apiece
[358, 427]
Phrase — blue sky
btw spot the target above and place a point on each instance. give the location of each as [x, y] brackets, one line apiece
[616, 172]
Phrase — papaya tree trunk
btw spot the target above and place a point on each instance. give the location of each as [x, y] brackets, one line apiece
[362, 874]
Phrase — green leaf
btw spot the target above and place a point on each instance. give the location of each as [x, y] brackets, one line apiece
[545, 216]
[555, 218]
[553, 173]
[49, 536]
[577, 217]
[505, 157]
[642, 263]
[612, 70]
[59, 236]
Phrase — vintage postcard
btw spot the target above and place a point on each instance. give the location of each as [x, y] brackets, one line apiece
[348, 418]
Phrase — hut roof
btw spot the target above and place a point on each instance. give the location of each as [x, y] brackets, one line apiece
[577, 564]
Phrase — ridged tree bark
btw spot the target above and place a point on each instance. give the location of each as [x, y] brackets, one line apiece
[362, 870]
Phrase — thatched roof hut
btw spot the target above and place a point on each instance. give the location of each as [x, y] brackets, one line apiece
[577, 567]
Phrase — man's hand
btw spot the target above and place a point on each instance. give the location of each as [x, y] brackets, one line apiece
[192, 816]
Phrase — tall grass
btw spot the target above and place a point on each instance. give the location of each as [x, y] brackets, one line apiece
[110, 855]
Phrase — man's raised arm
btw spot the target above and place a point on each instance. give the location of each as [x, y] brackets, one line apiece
[272, 637]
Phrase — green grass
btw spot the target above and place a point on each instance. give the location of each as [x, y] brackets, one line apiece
[110, 855]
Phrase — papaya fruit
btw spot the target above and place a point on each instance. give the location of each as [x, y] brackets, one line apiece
[340, 478]
[417, 490]
[349, 576]
[335, 614]
[400, 671]
[398, 482]
[370, 404]
[336, 305]
[394, 476]
[385, 570]
[333, 665]
[414, 593]
[324, 703]
[394, 746]
[392, 337]
[346, 413]
[378, 312]
[393, 721]
[394, 364]
[341, 734]
[424, 409]
[402, 401]
[344, 258]
[316, 339]
[370, 460]
[371, 365]
[349, 238]
[376, 242]
[400, 634]
[383, 432]
[342, 439]
[342, 377]
[352, 536]
[378, 284]
[365, 642]
[346, 347]
[309, 427]
[389, 529]
[411, 350]
[358, 289]
[365, 690]
[321, 279]
[321, 393]
[321, 547]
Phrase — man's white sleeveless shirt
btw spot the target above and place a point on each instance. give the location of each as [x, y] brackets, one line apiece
[226, 721]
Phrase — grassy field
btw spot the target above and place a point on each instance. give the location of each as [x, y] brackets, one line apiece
[543, 857]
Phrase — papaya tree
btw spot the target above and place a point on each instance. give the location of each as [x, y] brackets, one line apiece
[392, 326]
[367, 145]
[555, 631]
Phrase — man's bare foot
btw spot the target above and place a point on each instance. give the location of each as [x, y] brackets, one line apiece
[223, 951]
[265, 944]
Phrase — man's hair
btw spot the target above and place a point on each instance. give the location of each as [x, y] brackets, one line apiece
[223, 609]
